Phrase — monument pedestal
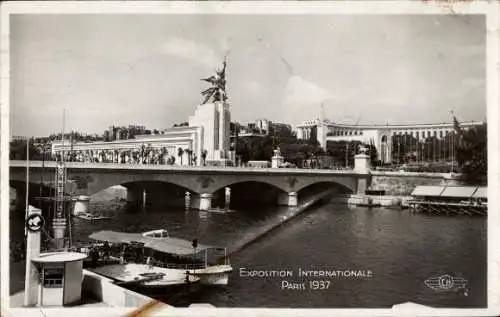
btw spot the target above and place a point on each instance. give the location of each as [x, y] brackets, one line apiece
[362, 166]
[362, 163]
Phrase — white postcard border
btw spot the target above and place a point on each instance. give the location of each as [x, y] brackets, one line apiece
[489, 8]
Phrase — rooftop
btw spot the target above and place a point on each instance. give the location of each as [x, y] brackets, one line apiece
[451, 191]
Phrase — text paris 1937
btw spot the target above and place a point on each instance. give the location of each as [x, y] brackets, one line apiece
[312, 285]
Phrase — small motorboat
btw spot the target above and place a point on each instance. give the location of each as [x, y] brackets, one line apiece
[90, 217]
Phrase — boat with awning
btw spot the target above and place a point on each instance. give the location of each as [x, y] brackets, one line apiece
[173, 253]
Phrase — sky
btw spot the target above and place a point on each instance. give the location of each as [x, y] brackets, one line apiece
[146, 69]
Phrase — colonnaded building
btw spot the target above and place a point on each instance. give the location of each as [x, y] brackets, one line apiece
[208, 130]
[379, 135]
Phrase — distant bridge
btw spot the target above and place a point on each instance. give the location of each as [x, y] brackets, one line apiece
[202, 182]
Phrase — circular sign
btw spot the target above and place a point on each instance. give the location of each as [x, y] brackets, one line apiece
[35, 222]
[446, 282]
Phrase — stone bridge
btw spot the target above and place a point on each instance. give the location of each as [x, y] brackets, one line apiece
[203, 183]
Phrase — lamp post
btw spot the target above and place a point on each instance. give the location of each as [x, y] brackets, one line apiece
[346, 155]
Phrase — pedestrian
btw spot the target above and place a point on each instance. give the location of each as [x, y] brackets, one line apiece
[106, 251]
[95, 256]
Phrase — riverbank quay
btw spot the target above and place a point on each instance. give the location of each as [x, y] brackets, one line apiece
[392, 201]
[395, 189]
[98, 292]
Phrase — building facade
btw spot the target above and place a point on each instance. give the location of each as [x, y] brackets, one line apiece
[208, 132]
[378, 135]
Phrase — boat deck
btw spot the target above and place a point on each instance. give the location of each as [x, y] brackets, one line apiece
[131, 272]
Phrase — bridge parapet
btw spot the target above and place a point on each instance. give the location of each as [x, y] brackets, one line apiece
[221, 169]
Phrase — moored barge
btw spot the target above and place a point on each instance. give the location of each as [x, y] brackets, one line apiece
[468, 200]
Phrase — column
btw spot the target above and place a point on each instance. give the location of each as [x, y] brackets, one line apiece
[59, 230]
[81, 204]
[288, 199]
[32, 281]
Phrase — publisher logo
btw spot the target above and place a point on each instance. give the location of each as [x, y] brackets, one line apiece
[446, 282]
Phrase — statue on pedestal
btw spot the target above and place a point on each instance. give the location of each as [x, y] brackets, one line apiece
[277, 152]
[218, 90]
[362, 149]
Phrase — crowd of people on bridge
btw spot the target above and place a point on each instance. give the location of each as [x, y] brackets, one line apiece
[146, 154]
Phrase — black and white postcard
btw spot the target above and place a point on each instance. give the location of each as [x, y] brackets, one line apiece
[242, 158]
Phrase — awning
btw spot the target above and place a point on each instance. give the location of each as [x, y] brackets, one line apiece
[465, 192]
[481, 192]
[175, 246]
[118, 237]
[458, 191]
[427, 191]
[166, 245]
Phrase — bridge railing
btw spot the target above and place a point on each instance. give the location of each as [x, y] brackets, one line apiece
[80, 165]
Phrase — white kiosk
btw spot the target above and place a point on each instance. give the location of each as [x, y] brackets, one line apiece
[52, 278]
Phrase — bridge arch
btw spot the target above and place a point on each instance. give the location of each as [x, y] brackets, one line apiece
[247, 193]
[232, 180]
[344, 184]
[92, 183]
[317, 187]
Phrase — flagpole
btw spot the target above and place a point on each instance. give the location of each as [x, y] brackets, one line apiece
[27, 182]
[452, 150]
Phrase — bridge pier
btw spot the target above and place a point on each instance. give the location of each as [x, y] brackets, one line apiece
[201, 201]
[81, 204]
[59, 230]
[227, 197]
[288, 199]
[135, 196]
[362, 165]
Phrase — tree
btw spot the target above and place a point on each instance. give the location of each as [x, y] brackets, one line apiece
[189, 153]
[472, 154]
[180, 152]
[18, 150]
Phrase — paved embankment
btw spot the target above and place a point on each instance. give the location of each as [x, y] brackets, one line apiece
[278, 221]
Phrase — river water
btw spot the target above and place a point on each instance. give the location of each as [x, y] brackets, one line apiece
[396, 250]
